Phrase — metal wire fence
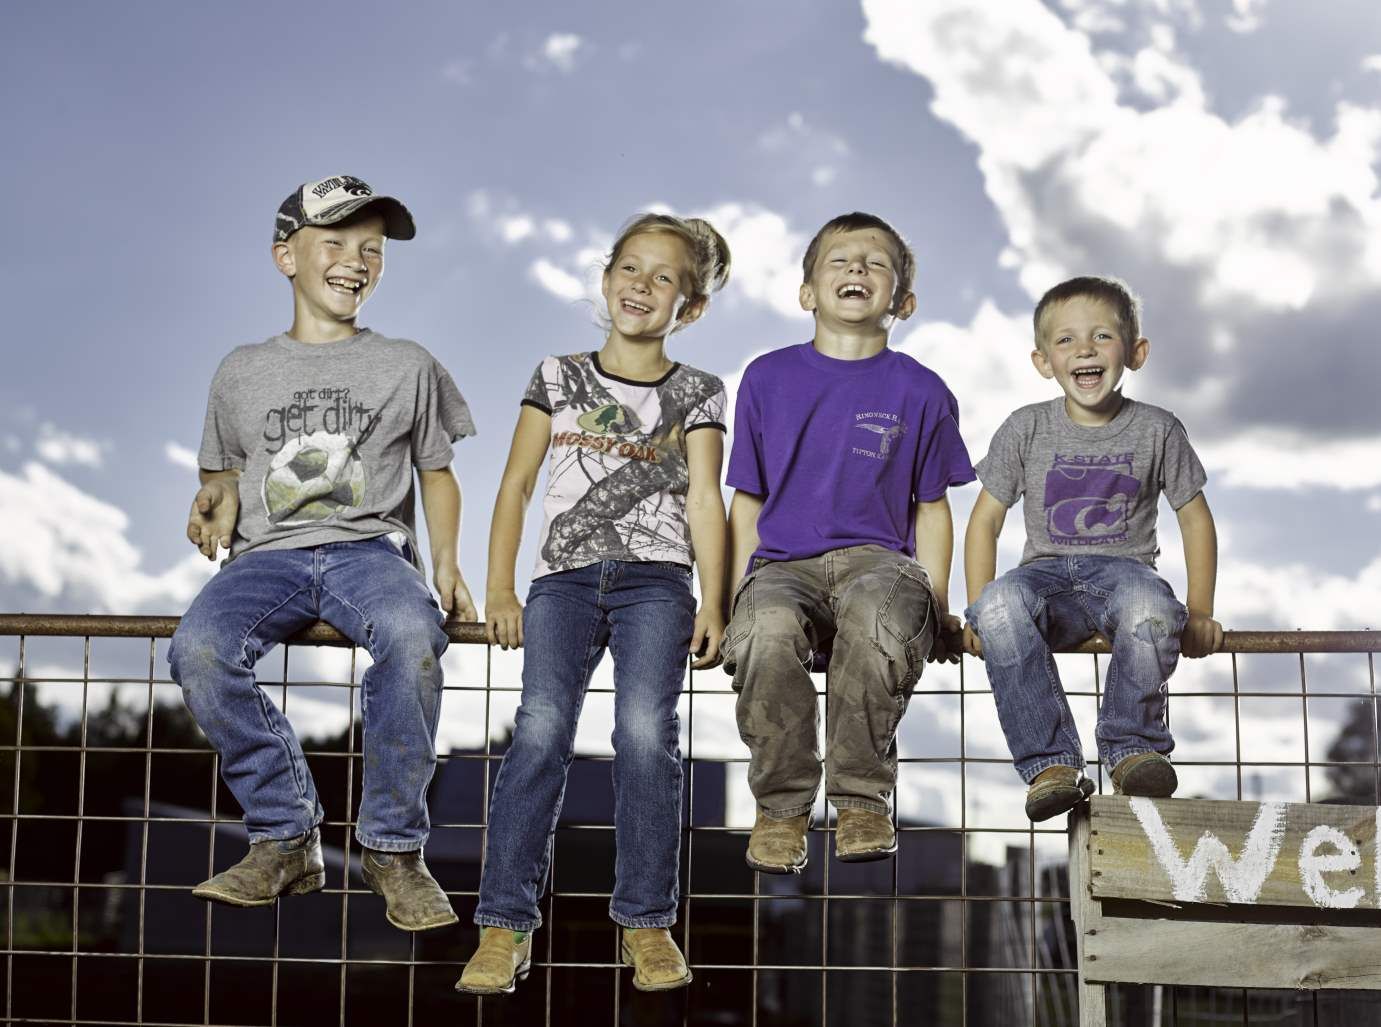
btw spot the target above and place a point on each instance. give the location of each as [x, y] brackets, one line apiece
[112, 810]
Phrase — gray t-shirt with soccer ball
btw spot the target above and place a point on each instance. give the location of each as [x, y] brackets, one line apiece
[326, 435]
[1091, 491]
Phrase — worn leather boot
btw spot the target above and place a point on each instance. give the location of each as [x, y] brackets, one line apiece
[656, 961]
[862, 835]
[778, 846]
[503, 958]
[1145, 773]
[271, 869]
[1056, 790]
[414, 901]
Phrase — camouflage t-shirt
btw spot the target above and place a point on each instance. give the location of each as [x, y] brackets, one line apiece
[326, 435]
[617, 477]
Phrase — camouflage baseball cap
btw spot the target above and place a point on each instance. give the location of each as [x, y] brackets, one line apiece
[334, 199]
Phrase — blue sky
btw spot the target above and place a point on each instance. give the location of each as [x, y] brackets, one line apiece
[1220, 154]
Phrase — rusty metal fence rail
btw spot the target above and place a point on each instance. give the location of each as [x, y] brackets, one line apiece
[111, 809]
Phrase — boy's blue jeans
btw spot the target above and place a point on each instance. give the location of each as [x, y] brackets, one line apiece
[377, 598]
[645, 614]
[1055, 602]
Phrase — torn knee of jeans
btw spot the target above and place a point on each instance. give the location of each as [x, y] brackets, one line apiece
[1152, 630]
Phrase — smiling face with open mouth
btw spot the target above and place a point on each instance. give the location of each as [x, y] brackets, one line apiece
[1082, 345]
[645, 284]
[333, 269]
[854, 281]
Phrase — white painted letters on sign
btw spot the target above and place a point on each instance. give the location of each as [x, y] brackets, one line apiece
[1241, 878]
[1313, 864]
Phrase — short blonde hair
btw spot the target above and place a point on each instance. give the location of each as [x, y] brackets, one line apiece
[1112, 291]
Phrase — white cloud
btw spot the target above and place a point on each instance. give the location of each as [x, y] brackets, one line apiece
[1284, 596]
[557, 230]
[1245, 16]
[766, 255]
[1240, 233]
[1096, 16]
[559, 50]
[1372, 62]
[1254, 459]
[67, 545]
[516, 229]
[60, 447]
[1212, 196]
[1374, 504]
[824, 175]
[561, 284]
[180, 456]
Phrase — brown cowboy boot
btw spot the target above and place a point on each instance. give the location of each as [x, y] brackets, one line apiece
[413, 899]
[1056, 790]
[1145, 773]
[272, 868]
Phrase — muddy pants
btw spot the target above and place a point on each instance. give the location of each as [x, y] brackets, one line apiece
[872, 610]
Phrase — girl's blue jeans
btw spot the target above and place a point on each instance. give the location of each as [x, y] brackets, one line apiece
[1057, 602]
[374, 595]
[644, 614]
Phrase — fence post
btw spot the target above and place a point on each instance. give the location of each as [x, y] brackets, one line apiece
[1085, 911]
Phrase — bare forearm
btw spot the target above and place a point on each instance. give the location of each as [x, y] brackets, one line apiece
[743, 532]
[935, 546]
[441, 506]
[1201, 561]
[980, 543]
[207, 477]
[505, 536]
[705, 515]
[980, 560]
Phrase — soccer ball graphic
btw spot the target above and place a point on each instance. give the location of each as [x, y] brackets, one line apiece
[311, 478]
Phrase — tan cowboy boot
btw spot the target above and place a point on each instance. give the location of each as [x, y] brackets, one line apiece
[862, 835]
[656, 961]
[502, 959]
[778, 846]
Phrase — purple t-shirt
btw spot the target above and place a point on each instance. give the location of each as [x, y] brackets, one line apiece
[841, 450]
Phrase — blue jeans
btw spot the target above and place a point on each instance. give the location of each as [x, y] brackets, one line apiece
[645, 614]
[1056, 602]
[375, 596]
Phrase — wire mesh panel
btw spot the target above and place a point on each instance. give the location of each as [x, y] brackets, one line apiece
[113, 809]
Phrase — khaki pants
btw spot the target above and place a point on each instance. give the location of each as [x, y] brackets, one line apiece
[870, 608]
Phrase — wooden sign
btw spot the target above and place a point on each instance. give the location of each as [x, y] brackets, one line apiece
[1224, 894]
[1251, 853]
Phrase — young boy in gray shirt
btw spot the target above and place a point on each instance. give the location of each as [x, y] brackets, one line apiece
[1092, 465]
[307, 463]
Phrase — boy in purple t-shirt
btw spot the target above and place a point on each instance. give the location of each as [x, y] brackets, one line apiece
[843, 451]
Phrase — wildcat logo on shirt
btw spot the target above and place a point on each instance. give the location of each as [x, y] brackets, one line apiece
[1087, 498]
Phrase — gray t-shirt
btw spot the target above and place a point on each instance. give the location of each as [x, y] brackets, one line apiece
[1091, 491]
[326, 436]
